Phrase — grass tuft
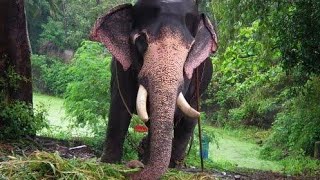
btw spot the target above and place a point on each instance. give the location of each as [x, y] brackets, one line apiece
[43, 165]
[47, 166]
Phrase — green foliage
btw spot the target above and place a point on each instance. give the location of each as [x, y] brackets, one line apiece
[18, 119]
[298, 27]
[53, 32]
[301, 165]
[72, 25]
[242, 58]
[264, 72]
[269, 51]
[50, 75]
[87, 96]
[296, 129]
[243, 79]
[290, 27]
[9, 81]
[37, 12]
[131, 143]
[63, 23]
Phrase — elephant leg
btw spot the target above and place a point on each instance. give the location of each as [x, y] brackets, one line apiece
[119, 117]
[182, 135]
[119, 120]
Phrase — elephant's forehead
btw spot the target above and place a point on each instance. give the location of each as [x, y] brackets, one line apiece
[167, 54]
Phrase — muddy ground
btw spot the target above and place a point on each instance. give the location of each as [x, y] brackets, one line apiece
[75, 148]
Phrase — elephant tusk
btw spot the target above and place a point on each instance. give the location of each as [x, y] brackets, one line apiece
[185, 107]
[142, 104]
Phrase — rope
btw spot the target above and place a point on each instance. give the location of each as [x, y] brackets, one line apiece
[122, 98]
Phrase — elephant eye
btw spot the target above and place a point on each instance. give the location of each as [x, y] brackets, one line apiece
[141, 43]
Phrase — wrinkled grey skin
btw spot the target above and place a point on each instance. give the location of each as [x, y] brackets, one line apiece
[157, 44]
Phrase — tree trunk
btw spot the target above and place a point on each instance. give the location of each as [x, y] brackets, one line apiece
[14, 53]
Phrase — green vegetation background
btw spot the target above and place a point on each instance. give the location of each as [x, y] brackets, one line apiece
[266, 72]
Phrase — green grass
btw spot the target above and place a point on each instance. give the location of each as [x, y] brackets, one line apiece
[54, 106]
[242, 153]
[60, 125]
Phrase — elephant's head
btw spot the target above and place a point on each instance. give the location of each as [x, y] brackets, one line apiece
[163, 40]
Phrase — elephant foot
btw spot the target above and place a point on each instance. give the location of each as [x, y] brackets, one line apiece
[134, 164]
[104, 158]
[109, 159]
[146, 174]
[177, 164]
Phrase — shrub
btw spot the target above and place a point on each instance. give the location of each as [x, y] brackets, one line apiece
[242, 80]
[54, 32]
[50, 75]
[296, 128]
[18, 119]
[87, 96]
[301, 165]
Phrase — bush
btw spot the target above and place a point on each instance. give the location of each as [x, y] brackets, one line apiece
[245, 86]
[87, 96]
[18, 119]
[301, 165]
[50, 75]
[296, 129]
[53, 32]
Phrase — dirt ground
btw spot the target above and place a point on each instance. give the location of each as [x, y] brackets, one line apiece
[71, 149]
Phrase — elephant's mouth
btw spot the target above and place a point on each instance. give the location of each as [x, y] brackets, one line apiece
[182, 103]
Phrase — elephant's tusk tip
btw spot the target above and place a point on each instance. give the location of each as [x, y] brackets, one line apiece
[186, 108]
[194, 114]
[145, 119]
[197, 114]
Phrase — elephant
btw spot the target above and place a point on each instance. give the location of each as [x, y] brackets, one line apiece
[157, 46]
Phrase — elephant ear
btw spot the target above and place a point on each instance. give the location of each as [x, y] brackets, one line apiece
[113, 30]
[205, 43]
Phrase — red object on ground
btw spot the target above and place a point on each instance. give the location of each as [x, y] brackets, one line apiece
[141, 128]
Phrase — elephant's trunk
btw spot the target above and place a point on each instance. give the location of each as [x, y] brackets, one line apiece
[162, 76]
[162, 107]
